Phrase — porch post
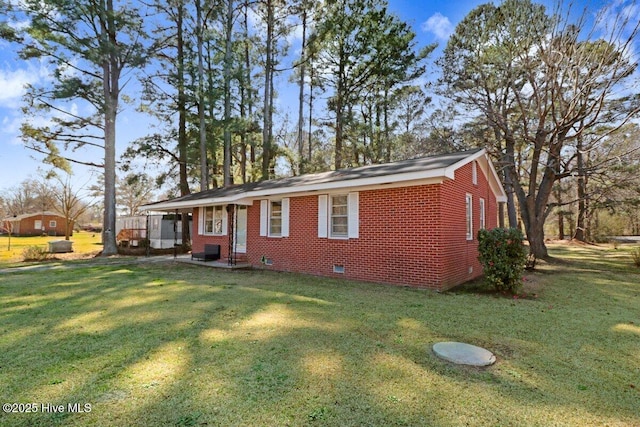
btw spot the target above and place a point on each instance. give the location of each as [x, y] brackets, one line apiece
[231, 211]
[175, 234]
[146, 237]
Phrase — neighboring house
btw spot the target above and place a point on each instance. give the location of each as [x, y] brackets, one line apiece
[38, 224]
[130, 230]
[412, 222]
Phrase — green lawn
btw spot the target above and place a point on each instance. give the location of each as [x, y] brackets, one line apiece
[181, 345]
[11, 248]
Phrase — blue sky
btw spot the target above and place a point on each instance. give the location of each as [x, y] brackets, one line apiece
[432, 21]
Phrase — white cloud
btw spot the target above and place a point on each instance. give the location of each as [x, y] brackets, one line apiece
[11, 125]
[439, 25]
[13, 83]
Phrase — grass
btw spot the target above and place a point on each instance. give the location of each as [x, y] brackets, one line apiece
[181, 345]
[11, 249]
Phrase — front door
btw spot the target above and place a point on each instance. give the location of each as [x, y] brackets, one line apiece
[241, 230]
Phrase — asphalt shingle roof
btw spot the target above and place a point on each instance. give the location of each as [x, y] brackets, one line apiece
[422, 164]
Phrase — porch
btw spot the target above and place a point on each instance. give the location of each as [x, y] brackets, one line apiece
[221, 263]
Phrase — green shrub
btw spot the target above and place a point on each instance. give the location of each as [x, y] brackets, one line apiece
[635, 255]
[503, 257]
[35, 253]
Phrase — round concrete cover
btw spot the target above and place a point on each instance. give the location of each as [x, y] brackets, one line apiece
[464, 354]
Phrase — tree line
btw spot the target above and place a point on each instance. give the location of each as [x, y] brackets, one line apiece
[549, 93]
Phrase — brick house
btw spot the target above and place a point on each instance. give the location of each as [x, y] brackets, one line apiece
[411, 222]
[38, 224]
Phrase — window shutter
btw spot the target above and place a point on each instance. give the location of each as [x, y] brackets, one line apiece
[201, 221]
[285, 217]
[354, 221]
[264, 217]
[322, 215]
[225, 221]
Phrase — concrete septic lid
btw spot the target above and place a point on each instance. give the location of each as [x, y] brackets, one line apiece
[464, 354]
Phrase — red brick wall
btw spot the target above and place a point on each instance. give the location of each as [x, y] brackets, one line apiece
[461, 255]
[408, 236]
[27, 226]
[198, 241]
[386, 251]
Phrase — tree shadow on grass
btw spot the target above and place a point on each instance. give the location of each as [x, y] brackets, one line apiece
[179, 345]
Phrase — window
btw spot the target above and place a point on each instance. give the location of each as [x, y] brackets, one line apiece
[213, 219]
[37, 224]
[53, 224]
[482, 215]
[275, 218]
[469, 217]
[338, 216]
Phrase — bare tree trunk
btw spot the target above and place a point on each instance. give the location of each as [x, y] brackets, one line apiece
[204, 173]
[309, 145]
[228, 178]
[249, 96]
[213, 164]
[268, 96]
[339, 117]
[561, 225]
[182, 122]
[558, 196]
[387, 130]
[111, 91]
[582, 206]
[301, 95]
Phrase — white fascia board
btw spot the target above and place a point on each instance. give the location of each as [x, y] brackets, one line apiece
[451, 169]
[213, 201]
[494, 180]
[487, 167]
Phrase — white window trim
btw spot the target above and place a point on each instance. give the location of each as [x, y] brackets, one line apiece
[265, 217]
[482, 215]
[271, 233]
[469, 216]
[201, 221]
[339, 236]
[53, 223]
[324, 216]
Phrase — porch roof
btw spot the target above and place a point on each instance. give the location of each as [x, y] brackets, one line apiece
[431, 169]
